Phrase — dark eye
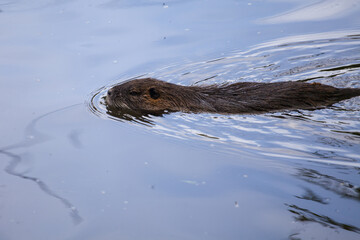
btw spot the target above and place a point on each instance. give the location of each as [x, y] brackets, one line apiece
[154, 94]
[134, 93]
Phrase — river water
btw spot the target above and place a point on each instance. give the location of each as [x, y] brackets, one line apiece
[72, 171]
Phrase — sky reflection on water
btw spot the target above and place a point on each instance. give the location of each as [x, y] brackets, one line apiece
[290, 175]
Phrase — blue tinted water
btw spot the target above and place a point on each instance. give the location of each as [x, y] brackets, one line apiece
[71, 171]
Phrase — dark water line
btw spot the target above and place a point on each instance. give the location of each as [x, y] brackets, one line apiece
[356, 134]
[305, 215]
[215, 60]
[10, 169]
[352, 66]
[330, 183]
[203, 80]
[30, 130]
[16, 160]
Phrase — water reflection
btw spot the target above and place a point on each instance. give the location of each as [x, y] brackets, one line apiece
[21, 5]
[132, 116]
[34, 137]
[107, 166]
[74, 137]
[330, 58]
[305, 215]
[344, 189]
[326, 136]
[330, 183]
[138, 3]
[312, 196]
[318, 11]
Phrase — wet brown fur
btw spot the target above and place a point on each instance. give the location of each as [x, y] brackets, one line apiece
[150, 95]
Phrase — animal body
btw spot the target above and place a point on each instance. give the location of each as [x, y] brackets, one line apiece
[152, 96]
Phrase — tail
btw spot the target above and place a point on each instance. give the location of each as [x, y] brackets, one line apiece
[319, 95]
[346, 93]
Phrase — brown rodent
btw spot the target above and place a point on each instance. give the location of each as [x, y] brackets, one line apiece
[152, 96]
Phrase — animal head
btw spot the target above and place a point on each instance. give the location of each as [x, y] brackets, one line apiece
[145, 95]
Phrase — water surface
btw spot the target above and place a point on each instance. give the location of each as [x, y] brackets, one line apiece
[72, 171]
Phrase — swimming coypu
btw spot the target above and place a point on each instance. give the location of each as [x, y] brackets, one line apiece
[152, 96]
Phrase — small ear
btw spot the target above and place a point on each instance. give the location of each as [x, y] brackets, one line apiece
[134, 92]
[154, 94]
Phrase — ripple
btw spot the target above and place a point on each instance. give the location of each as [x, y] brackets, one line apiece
[329, 135]
[96, 105]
